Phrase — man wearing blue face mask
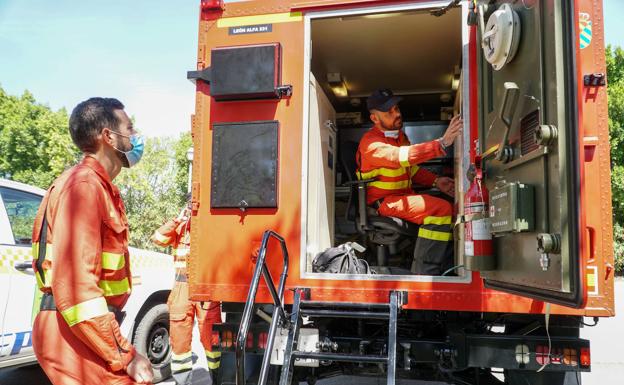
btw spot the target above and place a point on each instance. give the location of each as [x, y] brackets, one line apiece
[81, 260]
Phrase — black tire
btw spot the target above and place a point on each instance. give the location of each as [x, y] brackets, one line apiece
[523, 377]
[151, 339]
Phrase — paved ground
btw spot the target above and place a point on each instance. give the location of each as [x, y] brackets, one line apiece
[607, 358]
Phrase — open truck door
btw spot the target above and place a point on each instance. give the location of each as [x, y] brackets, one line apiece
[530, 141]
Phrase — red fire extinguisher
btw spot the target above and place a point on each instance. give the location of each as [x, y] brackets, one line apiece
[477, 231]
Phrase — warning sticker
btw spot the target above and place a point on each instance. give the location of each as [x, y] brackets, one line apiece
[481, 230]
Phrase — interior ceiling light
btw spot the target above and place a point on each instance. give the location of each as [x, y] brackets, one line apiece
[337, 84]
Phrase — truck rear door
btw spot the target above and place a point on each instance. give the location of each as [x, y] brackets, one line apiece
[530, 139]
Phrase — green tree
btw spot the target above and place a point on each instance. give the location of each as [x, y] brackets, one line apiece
[35, 146]
[151, 190]
[615, 91]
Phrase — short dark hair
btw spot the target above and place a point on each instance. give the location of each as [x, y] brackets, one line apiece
[89, 118]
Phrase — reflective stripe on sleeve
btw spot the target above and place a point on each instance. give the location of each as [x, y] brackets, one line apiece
[390, 185]
[404, 156]
[414, 170]
[85, 310]
[437, 220]
[161, 238]
[35, 251]
[179, 264]
[48, 278]
[435, 235]
[112, 261]
[115, 287]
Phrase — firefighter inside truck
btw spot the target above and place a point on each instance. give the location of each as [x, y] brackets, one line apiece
[419, 57]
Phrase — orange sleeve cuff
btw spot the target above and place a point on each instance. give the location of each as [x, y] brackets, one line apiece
[424, 177]
[422, 152]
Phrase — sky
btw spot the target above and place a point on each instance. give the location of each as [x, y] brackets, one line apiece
[65, 51]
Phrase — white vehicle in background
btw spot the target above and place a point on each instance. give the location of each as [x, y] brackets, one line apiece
[146, 322]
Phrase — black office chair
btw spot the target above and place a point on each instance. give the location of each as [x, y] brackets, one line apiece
[389, 236]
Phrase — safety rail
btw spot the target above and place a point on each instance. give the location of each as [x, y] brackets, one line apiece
[279, 314]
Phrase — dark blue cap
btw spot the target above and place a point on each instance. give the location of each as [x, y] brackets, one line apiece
[382, 100]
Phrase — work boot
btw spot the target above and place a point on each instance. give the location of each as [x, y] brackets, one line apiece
[214, 375]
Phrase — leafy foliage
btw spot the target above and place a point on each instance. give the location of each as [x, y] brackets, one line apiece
[152, 190]
[615, 76]
[35, 148]
[35, 145]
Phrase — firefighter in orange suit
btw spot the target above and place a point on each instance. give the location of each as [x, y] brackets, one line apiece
[182, 311]
[81, 260]
[386, 155]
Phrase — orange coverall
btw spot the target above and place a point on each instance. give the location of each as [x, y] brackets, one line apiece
[393, 163]
[182, 311]
[86, 270]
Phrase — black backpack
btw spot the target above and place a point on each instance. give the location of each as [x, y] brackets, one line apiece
[341, 260]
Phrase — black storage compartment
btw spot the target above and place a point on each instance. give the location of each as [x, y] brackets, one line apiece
[244, 165]
[245, 72]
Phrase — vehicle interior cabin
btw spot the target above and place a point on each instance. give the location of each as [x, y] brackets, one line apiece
[417, 55]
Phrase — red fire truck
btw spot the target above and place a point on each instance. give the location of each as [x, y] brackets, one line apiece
[281, 89]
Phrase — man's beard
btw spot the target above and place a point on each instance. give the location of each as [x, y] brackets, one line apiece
[392, 127]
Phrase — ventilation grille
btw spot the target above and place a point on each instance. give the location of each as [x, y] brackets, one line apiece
[528, 125]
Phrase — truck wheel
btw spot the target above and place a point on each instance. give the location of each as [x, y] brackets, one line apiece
[151, 339]
[523, 377]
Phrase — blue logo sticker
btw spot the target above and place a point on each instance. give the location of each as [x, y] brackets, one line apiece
[585, 26]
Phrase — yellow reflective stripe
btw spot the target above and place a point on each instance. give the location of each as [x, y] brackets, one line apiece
[211, 354]
[161, 238]
[112, 261]
[404, 156]
[178, 367]
[284, 17]
[389, 172]
[35, 251]
[114, 287]
[48, 279]
[85, 310]
[390, 185]
[414, 170]
[437, 221]
[214, 365]
[435, 235]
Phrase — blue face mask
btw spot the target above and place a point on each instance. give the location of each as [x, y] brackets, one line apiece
[133, 156]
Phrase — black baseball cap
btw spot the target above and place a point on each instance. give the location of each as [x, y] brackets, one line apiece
[382, 100]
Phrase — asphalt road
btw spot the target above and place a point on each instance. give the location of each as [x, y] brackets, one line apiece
[606, 348]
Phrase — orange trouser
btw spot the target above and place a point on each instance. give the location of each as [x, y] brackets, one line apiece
[433, 253]
[65, 359]
[182, 313]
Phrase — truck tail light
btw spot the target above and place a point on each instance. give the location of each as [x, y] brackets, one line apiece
[227, 339]
[262, 340]
[585, 357]
[212, 5]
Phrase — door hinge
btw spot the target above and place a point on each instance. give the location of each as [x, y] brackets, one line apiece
[595, 80]
[205, 75]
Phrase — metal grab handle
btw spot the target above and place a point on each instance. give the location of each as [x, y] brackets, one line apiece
[279, 313]
[507, 111]
[22, 266]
